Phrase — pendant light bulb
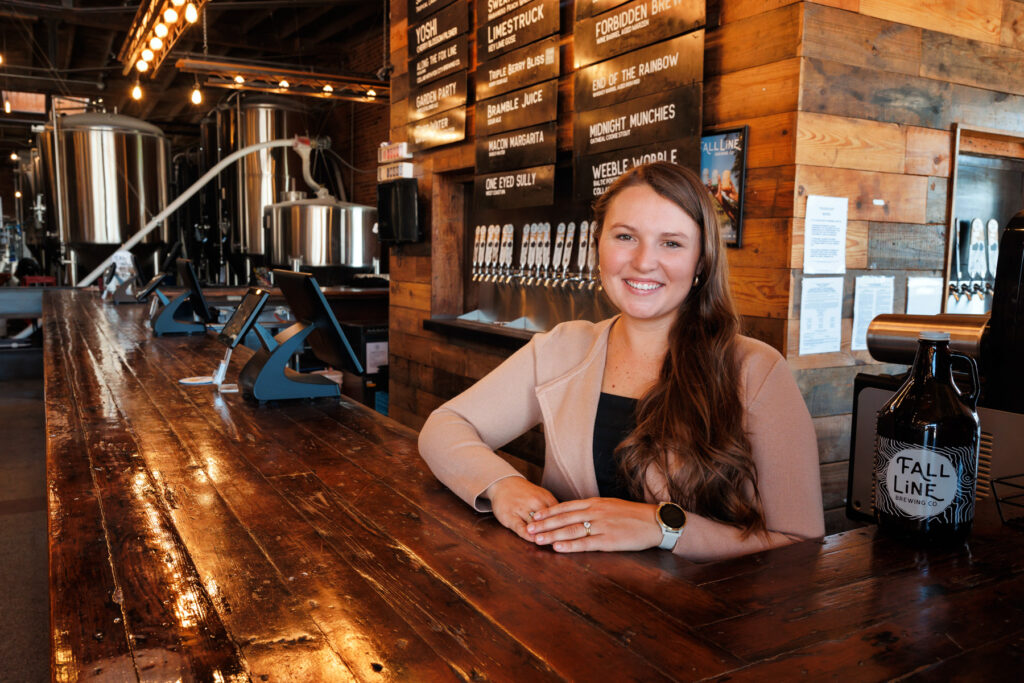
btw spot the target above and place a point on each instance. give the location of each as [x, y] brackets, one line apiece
[137, 92]
[191, 13]
[7, 106]
[14, 156]
[197, 95]
[160, 30]
[328, 88]
[170, 16]
[156, 44]
[283, 84]
[17, 194]
[239, 79]
[371, 93]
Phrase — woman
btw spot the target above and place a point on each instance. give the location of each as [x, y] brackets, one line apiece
[663, 426]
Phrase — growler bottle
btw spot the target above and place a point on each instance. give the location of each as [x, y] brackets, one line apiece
[926, 450]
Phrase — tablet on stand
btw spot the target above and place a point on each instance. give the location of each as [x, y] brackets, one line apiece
[185, 314]
[267, 377]
[238, 325]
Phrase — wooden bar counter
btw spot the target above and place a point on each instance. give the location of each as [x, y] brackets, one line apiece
[199, 536]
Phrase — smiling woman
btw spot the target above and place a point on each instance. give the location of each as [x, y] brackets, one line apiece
[663, 426]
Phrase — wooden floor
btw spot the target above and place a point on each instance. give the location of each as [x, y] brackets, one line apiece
[204, 537]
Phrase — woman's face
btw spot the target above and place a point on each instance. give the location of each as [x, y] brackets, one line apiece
[649, 250]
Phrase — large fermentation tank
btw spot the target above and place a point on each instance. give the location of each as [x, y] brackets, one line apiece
[265, 175]
[113, 174]
[321, 233]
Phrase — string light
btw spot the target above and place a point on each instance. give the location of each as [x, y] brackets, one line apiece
[283, 84]
[137, 91]
[170, 16]
[155, 43]
[239, 80]
[191, 13]
[371, 93]
[17, 194]
[1, 59]
[177, 3]
[147, 55]
[141, 65]
[328, 88]
[7, 106]
[160, 30]
[14, 156]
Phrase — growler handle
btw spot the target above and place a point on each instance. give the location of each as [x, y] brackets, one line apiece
[971, 399]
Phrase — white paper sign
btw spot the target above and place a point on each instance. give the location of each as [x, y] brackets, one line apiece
[825, 235]
[821, 312]
[376, 356]
[924, 295]
[873, 296]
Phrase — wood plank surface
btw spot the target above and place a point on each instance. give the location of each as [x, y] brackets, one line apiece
[975, 19]
[904, 198]
[841, 142]
[201, 536]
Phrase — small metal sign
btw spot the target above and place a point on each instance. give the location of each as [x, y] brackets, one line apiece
[444, 60]
[518, 109]
[670, 115]
[530, 22]
[634, 25]
[593, 174]
[532, 146]
[533, 186]
[438, 28]
[517, 69]
[656, 68]
[441, 129]
[438, 96]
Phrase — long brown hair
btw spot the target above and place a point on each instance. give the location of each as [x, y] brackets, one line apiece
[689, 425]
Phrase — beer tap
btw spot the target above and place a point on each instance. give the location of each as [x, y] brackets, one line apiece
[507, 244]
[581, 255]
[556, 260]
[545, 253]
[592, 261]
[524, 251]
[478, 251]
[531, 258]
[570, 233]
[493, 234]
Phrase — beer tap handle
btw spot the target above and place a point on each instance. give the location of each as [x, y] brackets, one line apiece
[592, 259]
[546, 254]
[556, 259]
[507, 243]
[478, 252]
[493, 235]
[524, 250]
[992, 231]
[581, 255]
[531, 258]
[570, 233]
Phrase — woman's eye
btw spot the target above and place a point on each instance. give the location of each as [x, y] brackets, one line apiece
[672, 245]
[623, 236]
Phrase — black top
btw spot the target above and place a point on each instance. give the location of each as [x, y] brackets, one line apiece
[616, 418]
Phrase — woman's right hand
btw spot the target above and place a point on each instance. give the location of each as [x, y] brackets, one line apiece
[514, 499]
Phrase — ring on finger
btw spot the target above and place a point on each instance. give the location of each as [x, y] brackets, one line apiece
[531, 513]
[586, 527]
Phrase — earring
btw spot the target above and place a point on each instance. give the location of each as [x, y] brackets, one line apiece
[696, 280]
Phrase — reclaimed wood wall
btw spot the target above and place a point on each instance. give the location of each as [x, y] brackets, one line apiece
[852, 98]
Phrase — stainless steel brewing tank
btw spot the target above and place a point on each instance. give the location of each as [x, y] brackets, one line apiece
[321, 232]
[264, 175]
[114, 177]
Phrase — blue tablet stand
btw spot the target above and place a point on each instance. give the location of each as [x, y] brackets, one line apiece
[166, 320]
[267, 377]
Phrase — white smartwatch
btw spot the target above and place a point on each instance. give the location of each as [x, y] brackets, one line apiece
[672, 519]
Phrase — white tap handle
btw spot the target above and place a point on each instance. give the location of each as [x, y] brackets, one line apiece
[581, 256]
[570, 233]
[591, 255]
[559, 245]
[508, 241]
[524, 247]
[993, 246]
[546, 245]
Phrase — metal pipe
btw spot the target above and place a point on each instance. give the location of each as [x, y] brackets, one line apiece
[892, 338]
[58, 181]
[298, 143]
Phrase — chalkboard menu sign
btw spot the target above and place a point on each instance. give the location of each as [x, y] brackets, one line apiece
[443, 60]
[438, 28]
[656, 68]
[533, 186]
[421, 8]
[669, 115]
[518, 109]
[532, 64]
[440, 129]
[438, 96]
[595, 173]
[533, 146]
[512, 30]
[633, 25]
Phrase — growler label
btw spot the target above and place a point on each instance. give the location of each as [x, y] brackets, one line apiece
[925, 483]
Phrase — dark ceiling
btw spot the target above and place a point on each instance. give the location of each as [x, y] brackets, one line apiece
[70, 47]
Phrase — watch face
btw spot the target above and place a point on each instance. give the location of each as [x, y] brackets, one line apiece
[672, 516]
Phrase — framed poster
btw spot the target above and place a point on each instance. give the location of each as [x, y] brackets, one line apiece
[723, 165]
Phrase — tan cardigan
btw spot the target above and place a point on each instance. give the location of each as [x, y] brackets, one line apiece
[556, 379]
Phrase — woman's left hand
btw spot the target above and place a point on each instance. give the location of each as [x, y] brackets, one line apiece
[613, 524]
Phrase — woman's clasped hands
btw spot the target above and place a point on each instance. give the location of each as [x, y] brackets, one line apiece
[576, 525]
